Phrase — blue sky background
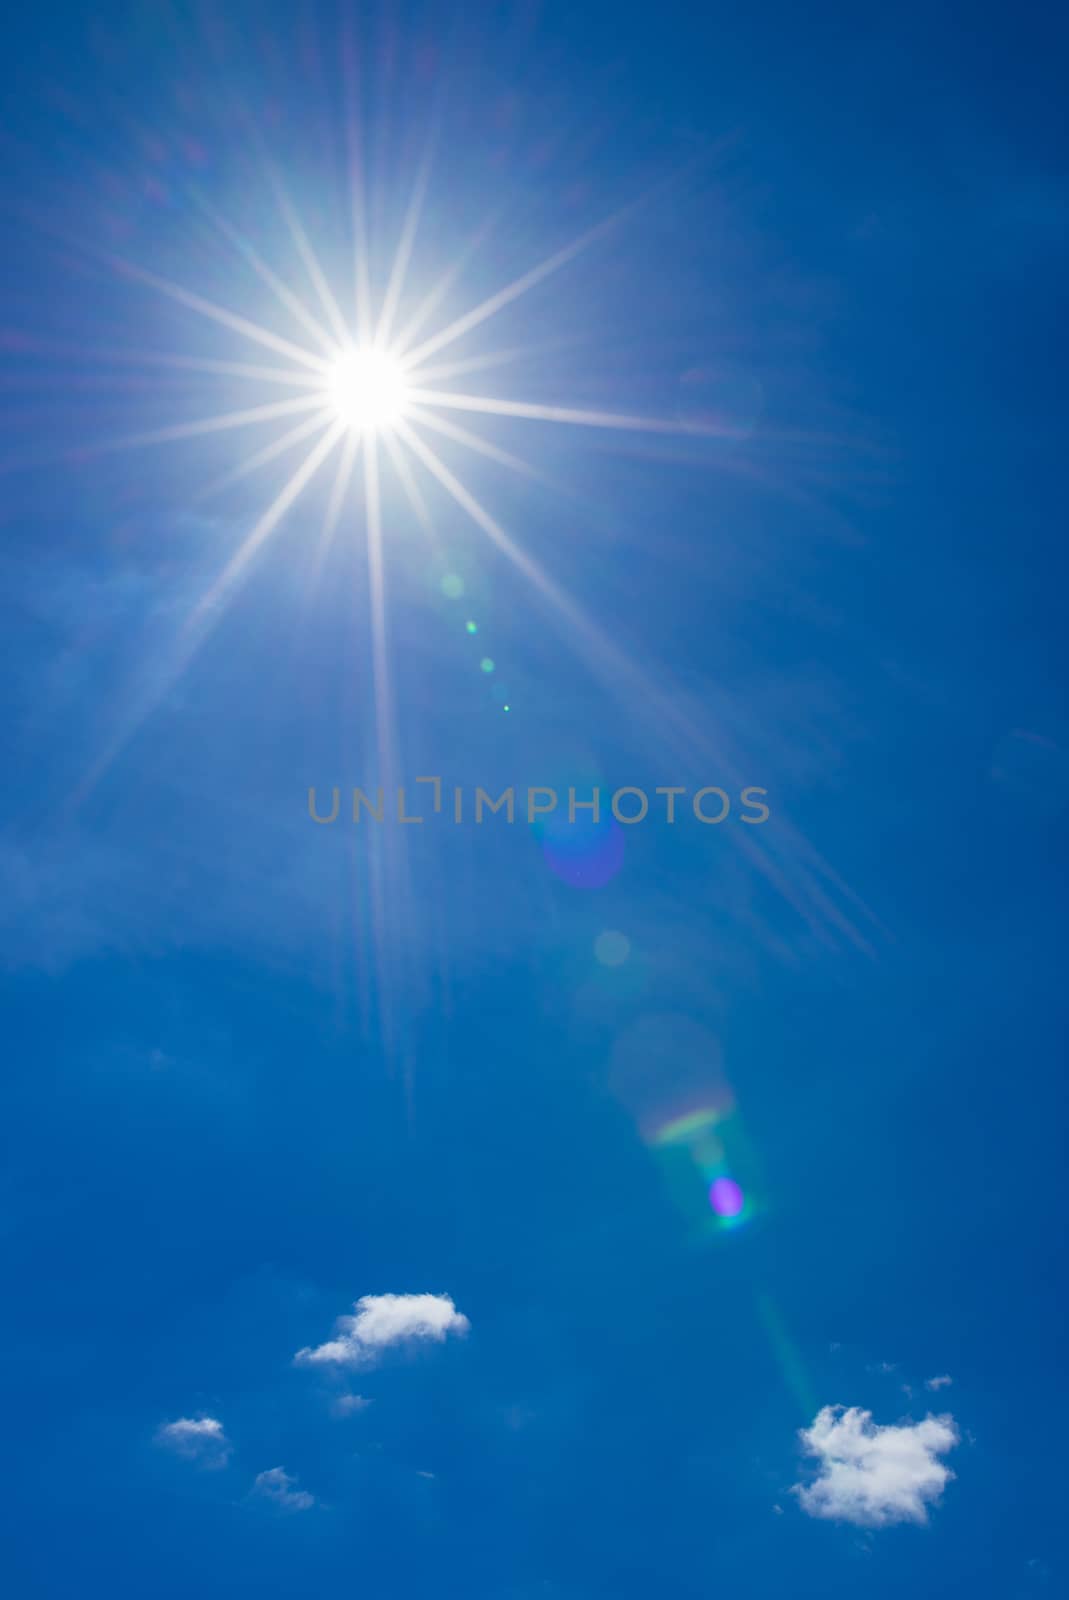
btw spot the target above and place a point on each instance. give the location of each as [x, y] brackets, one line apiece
[236, 1101]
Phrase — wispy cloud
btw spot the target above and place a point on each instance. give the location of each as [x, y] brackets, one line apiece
[277, 1486]
[199, 1439]
[874, 1475]
[347, 1405]
[938, 1383]
[382, 1320]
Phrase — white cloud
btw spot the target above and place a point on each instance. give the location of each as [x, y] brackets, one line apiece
[875, 1475]
[347, 1405]
[938, 1383]
[199, 1439]
[385, 1319]
[277, 1486]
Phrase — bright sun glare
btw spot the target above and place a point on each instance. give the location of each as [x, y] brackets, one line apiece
[370, 382]
[367, 389]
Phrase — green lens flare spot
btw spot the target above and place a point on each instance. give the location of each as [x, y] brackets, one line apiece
[486, 664]
[612, 948]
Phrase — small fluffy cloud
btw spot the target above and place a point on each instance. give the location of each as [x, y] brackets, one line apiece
[278, 1487]
[382, 1320]
[199, 1439]
[874, 1475]
[938, 1383]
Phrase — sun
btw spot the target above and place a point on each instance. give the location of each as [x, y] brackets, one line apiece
[366, 389]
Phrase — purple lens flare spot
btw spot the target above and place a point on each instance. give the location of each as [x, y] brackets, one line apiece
[725, 1197]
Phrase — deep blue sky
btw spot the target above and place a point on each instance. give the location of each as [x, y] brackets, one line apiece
[238, 1098]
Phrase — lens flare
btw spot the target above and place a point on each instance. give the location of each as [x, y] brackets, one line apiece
[611, 948]
[726, 1197]
[696, 1124]
[584, 853]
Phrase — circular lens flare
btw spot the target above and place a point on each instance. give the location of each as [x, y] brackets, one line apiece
[367, 389]
[584, 853]
[611, 948]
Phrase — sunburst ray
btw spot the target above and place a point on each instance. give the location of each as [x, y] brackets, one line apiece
[410, 487]
[206, 614]
[435, 295]
[285, 295]
[225, 369]
[208, 425]
[320, 420]
[492, 406]
[403, 253]
[473, 441]
[512, 291]
[271, 518]
[482, 518]
[310, 260]
[482, 363]
[332, 516]
[228, 319]
[357, 199]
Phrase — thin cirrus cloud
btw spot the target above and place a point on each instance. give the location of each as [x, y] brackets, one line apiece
[874, 1475]
[278, 1488]
[382, 1320]
[943, 1382]
[199, 1439]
